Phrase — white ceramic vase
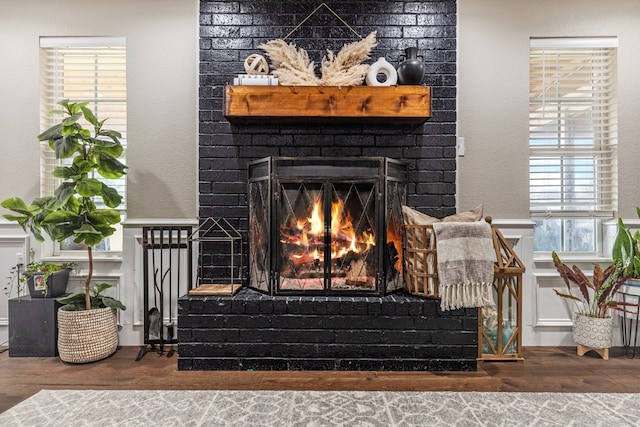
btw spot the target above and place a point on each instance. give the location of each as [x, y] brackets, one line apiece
[381, 66]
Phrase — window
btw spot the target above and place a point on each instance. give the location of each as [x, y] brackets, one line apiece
[91, 69]
[572, 141]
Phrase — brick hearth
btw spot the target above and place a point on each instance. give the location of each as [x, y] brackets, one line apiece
[250, 330]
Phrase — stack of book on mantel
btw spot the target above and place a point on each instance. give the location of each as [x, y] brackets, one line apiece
[255, 80]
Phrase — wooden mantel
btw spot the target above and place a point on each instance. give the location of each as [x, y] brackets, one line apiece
[327, 104]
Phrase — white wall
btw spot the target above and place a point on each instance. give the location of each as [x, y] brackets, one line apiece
[493, 46]
[162, 86]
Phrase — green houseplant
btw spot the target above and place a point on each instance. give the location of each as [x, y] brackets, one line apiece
[43, 279]
[626, 249]
[71, 212]
[593, 324]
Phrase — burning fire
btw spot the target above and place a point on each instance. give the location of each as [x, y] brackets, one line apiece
[309, 234]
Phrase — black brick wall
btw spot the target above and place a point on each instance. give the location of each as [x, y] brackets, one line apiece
[231, 30]
[251, 330]
[254, 331]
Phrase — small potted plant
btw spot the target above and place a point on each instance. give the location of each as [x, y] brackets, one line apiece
[42, 279]
[592, 324]
[87, 331]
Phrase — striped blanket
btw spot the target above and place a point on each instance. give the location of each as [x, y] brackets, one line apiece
[465, 264]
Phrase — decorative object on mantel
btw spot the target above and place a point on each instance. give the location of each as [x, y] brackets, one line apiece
[293, 67]
[255, 80]
[381, 66]
[330, 104]
[218, 236]
[256, 64]
[411, 70]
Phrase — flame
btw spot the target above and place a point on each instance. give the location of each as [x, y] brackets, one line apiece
[344, 238]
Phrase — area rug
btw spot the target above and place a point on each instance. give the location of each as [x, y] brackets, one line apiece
[321, 408]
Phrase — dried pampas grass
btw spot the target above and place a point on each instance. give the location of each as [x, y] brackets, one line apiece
[292, 66]
[346, 68]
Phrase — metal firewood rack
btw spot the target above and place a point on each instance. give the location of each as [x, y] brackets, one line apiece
[167, 274]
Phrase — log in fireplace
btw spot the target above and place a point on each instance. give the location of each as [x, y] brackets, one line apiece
[326, 226]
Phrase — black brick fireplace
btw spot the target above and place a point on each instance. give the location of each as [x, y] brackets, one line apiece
[392, 331]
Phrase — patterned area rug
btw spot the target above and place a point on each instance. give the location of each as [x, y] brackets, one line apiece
[318, 408]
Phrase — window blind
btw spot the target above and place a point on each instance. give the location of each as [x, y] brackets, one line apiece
[91, 69]
[572, 127]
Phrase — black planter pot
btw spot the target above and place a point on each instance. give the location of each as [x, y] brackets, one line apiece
[56, 284]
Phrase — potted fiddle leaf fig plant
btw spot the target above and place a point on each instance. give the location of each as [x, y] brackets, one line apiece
[87, 323]
[592, 323]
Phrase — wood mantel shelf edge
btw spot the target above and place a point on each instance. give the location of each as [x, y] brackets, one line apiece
[327, 104]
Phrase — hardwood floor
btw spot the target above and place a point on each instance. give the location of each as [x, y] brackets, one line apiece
[556, 369]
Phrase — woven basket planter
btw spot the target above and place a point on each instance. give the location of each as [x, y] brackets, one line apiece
[87, 335]
[593, 332]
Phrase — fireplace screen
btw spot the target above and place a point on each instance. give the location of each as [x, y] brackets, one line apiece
[326, 226]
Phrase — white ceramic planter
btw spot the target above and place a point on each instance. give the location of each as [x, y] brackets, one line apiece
[592, 332]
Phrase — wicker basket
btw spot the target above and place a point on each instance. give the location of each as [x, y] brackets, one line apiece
[87, 335]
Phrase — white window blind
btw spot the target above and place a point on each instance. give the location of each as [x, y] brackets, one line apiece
[572, 127]
[91, 69]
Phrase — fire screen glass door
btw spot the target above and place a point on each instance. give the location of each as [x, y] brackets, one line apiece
[302, 237]
[327, 237]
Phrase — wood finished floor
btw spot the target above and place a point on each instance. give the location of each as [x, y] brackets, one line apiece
[554, 369]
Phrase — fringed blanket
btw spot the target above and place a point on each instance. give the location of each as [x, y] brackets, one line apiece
[465, 264]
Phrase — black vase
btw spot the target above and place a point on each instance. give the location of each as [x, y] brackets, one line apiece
[411, 70]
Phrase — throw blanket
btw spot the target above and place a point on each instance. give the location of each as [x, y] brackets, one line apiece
[465, 264]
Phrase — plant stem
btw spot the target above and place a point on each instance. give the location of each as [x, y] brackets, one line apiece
[87, 296]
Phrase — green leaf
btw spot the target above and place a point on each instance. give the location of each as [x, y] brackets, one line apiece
[112, 303]
[104, 216]
[99, 288]
[62, 231]
[623, 248]
[71, 119]
[59, 217]
[105, 230]
[108, 166]
[89, 187]
[74, 298]
[88, 234]
[61, 195]
[108, 147]
[111, 134]
[83, 166]
[15, 218]
[65, 172]
[91, 118]
[110, 196]
[76, 107]
[66, 146]
[54, 132]
[18, 205]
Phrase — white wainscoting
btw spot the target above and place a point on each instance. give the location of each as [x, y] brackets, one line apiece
[12, 241]
[546, 317]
